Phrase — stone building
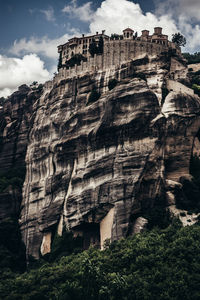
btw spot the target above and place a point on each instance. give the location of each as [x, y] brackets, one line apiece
[117, 49]
[80, 45]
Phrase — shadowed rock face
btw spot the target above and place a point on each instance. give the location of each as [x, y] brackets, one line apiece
[101, 163]
[16, 119]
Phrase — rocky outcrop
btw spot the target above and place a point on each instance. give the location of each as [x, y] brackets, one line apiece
[97, 159]
[93, 166]
[17, 116]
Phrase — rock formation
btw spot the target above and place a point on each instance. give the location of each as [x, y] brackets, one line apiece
[16, 115]
[95, 165]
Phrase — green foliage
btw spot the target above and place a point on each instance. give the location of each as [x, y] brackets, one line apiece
[95, 48]
[196, 89]
[158, 216]
[179, 39]
[112, 83]
[64, 245]
[165, 92]
[195, 168]
[141, 76]
[155, 265]
[60, 64]
[115, 36]
[13, 177]
[94, 96]
[2, 100]
[12, 250]
[183, 214]
[190, 198]
[192, 58]
[100, 45]
[195, 81]
[75, 60]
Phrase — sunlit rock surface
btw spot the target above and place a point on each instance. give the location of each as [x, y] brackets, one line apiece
[94, 167]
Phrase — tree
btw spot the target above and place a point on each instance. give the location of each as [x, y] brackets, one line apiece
[100, 45]
[93, 49]
[179, 39]
[2, 100]
[59, 61]
[75, 60]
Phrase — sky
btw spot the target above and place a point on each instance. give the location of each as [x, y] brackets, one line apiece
[30, 31]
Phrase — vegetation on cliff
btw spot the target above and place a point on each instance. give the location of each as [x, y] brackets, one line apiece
[179, 39]
[194, 81]
[192, 58]
[96, 48]
[159, 264]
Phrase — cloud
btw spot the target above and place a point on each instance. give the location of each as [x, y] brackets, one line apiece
[43, 46]
[116, 15]
[15, 72]
[189, 9]
[186, 15]
[83, 13]
[49, 14]
[112, 15]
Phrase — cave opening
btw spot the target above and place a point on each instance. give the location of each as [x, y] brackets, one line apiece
[90, 232]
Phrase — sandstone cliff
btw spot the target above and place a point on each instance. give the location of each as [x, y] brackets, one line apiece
[95, 166]
[16, 119]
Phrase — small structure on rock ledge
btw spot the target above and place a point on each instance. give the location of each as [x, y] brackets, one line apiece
[101, 52]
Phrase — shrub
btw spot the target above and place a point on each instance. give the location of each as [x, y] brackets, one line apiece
[63, 246]
[75, 60]
[190, 213]
[95, 48]
[190, 198]
[2, 100]
[179, 39]
[140, 75]
[112, 83]
[165, 92]
[155, 265]
[182, 214]
[59, 62]
[94, 96]
[157, 216]
[115, 36]
[12, 250]
[14, 177]
[192, 58]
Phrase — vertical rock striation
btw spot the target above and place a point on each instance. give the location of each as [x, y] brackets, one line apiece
[94, 166]
[16, 115]
[97, 164]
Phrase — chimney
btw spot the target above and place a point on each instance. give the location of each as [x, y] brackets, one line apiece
[97, 33]
[103, 31]
[158, 30]
[83, 35]
[145, 32]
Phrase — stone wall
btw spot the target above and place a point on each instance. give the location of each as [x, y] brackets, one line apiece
[116, 52]
[178, 87]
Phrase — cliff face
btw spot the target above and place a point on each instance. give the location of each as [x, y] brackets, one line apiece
[95, 166]
[16, 115]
